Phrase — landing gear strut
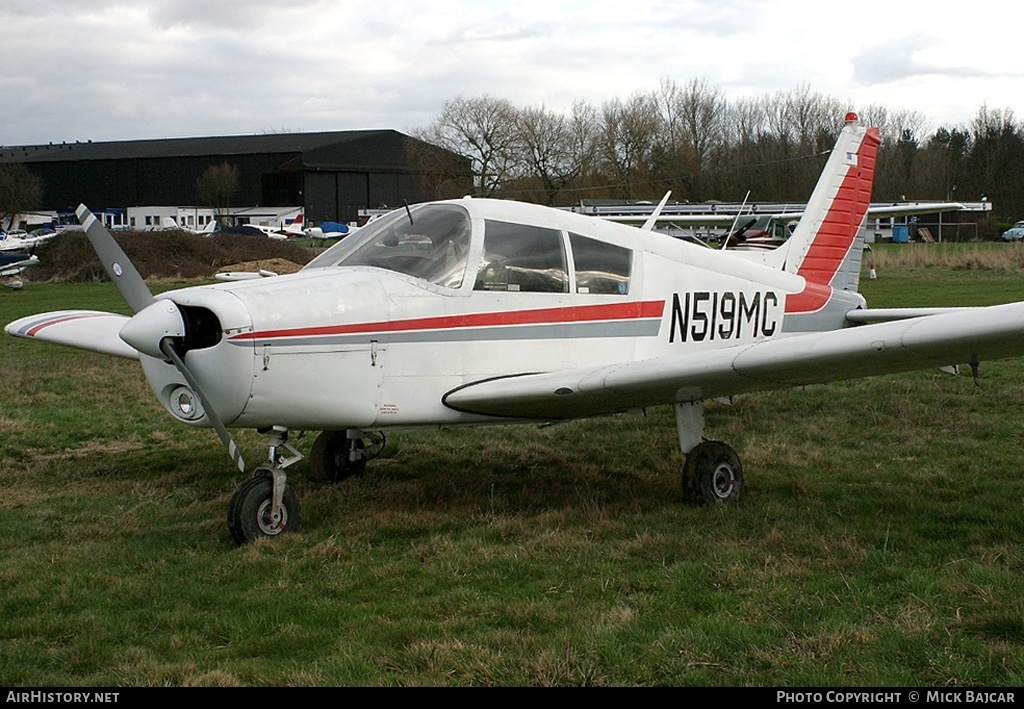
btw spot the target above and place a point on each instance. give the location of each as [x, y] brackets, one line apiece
[264, 506]
[712, 472]
[338, 455]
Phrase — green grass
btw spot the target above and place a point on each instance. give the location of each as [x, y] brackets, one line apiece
[878, 542]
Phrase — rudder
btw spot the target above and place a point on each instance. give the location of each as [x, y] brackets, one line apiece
[826, 247]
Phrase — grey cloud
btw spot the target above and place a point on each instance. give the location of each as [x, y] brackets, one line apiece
[899, 59]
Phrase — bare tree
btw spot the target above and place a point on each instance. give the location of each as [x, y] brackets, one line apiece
[442, 173]
[690, 138]
[898, 171]
[815, 119]
[482, 129]
[553, 149]
[20, 191]
[694, 120]
[217, 186]
[628, 136]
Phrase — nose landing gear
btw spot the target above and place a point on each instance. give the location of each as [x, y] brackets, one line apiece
[264, 506]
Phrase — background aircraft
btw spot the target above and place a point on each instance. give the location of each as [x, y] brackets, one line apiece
[20, 240]
[475, 311]
[324, 230]
[11, 264]
[207, 230]
[758, 229]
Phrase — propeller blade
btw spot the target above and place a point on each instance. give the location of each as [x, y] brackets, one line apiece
[153, 332]
[167, 347]
[121, 271]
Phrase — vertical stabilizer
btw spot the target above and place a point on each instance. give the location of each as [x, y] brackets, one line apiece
[827, 245]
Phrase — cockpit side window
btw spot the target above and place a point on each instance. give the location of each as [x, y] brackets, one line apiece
[519, 257]
[600, 267]
[430, 242]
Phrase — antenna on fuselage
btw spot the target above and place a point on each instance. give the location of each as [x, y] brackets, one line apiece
[725, 241]
[653, 219]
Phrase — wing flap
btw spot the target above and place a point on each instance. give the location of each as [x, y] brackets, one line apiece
[963, 336]
[84, 329]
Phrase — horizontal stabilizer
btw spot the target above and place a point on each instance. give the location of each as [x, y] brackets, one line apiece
[85, 329]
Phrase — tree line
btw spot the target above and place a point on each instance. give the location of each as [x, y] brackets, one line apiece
[692, 139]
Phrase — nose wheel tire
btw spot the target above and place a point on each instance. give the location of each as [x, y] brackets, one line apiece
[712, 473]
[251, 511]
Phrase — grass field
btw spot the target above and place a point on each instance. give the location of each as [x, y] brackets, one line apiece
[879, 542]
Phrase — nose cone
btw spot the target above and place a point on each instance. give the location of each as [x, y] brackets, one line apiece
[151, 325]
[199, 319]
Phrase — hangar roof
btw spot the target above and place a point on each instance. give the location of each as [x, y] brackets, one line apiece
[334, 143]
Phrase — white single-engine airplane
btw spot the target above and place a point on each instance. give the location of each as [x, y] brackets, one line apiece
[478, 311]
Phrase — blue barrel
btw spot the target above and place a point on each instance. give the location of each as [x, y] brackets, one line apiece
[900, 234]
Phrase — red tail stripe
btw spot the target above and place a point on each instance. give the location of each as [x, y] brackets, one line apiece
[838, 230]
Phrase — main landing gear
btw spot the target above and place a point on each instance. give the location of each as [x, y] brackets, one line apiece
[337, 455]
[264, 506]
[712, 472]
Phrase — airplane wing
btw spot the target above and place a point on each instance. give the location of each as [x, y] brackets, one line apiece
[875, 315]
[13, 264]
[683, 219]
[875, 211]
[244, 275]
[85, 329]
[946, 338]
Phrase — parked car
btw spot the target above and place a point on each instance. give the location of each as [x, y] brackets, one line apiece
[1014, 233]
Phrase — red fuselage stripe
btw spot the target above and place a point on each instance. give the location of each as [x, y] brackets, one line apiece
[542, 316]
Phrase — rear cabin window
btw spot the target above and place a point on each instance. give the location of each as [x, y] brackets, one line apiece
[600, 267]
[523, 258]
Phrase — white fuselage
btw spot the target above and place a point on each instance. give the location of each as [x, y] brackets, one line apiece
[359, 346]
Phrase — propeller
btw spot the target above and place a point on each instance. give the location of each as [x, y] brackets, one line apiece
[157, 327]
[121, 271]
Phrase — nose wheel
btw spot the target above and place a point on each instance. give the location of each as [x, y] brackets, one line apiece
[253, 514]
[264, 506]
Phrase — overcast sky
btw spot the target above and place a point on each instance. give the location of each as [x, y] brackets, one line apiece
[123, 69]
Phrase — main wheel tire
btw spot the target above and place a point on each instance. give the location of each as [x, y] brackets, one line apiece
[712, 473]
[330, 458]
[250, 511]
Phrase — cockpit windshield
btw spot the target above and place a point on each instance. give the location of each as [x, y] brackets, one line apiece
[430, 242]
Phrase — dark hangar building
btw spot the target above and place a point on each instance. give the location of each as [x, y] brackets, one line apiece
[332, 175]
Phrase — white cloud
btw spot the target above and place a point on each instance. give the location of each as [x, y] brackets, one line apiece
[112, 69]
